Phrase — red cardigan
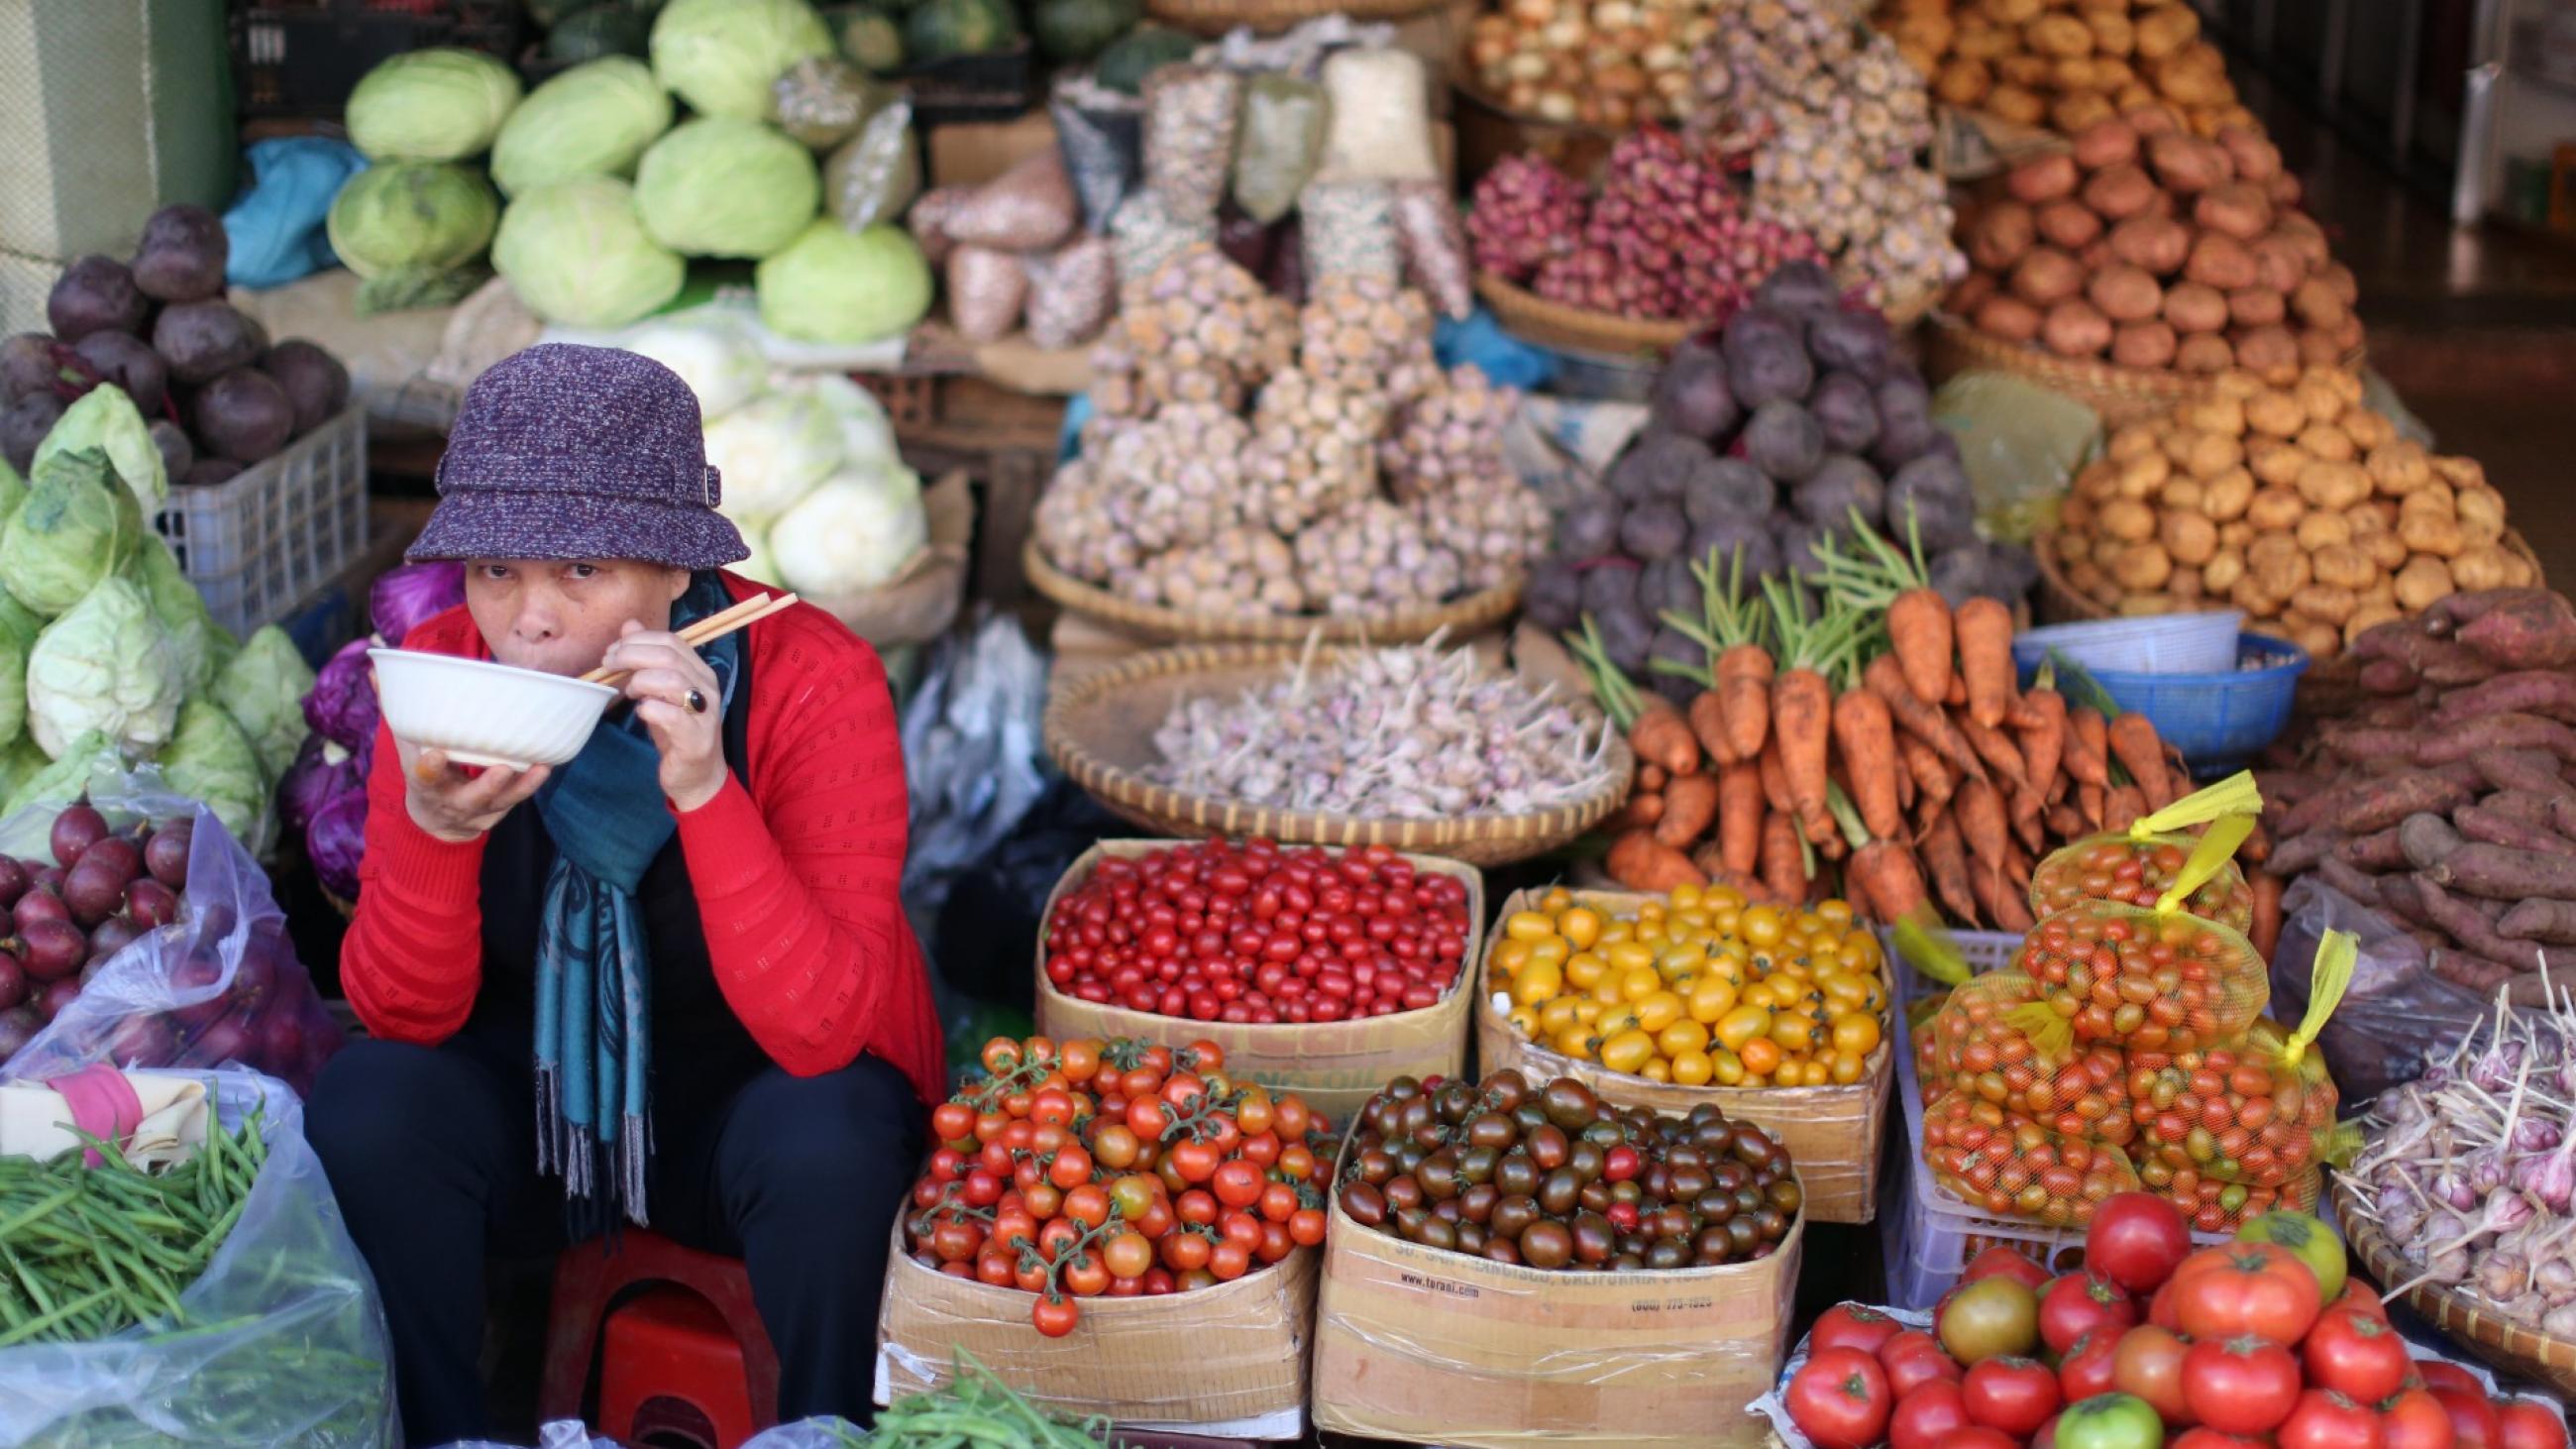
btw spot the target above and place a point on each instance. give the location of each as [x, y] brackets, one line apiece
[797, 878]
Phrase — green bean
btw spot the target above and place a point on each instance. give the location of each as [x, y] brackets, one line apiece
[10, 1226]
[37, 1325]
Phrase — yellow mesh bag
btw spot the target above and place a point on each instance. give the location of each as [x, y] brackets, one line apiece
[2139, 866]
[2006, 1164]
[2210, 1206]
[1976, 1046]
[2149, 978]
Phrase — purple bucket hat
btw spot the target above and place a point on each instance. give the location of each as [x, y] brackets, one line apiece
[579, 452]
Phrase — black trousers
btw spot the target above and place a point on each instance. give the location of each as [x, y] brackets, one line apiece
[431, 1153]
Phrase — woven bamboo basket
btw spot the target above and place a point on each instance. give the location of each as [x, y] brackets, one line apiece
[2119, 394]
[2061, 603]
[1336, 1066]
[2518, 1350]
[1100, 731]
[1533, 318]
[1216, 17]
[1832, 1133]
[1472, 615]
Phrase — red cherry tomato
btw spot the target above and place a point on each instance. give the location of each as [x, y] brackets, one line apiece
[2086, 1369]
[2006, 1262]
[1923, 1418]
[1839, 1399]
[1914, 1358]
[2244, 1385]
[2016, 1395]
[1055, 1317]
[2137, 1240]
[2473, 1418]
[2530, 1424]
[2082, 1303]
[2260, 1289]
[1853, 1325]
[2414, 1419]
[2355, 1355]
[2324, 1419]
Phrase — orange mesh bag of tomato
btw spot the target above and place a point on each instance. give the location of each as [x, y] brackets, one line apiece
[2153, 978]
[2004, 1163]
[1077, 1169]
[2139, 865]
[1975, 1045]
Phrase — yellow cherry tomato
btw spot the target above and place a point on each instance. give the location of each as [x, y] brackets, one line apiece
[1684, 897]
[1693, 1069]
[1557, 1015]
[1615, 1021]
[1525, 1021]
[1581, 926]
[1510, 956]
[1627, 1051]
[1639, 983]
[1630, 954]
[1528, 926]
[1814, 1074]
[1795, 1033]
[1584, 970]
[1557, 901]
[1576, 1043]
[1726, 1068]
[1762, 927]
[1856, 1033]
[1658, 1009]
[1741, 1025]
[1847, 1069]
[1656, 1069]
[1761, 1056]
[1679, 1037]
[1537, 982]
[1587, 1011]
[1837, 911]
[1710, 997]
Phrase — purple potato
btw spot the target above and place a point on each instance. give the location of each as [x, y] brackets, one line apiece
[1668, 585]
[1840, 485]
[1770, 366]
[1783, 440]
[1846, 411]
[1626, 637]
[1655, 466]
[95, 294]
[1745, 534]
[1726, 488]
[1653, 530]
[1691, 397]
[1854, 341]
[1610, 587]
[1553, 598]
[1590, 528]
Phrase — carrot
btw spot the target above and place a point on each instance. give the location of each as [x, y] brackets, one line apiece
[1956, 695]
[1690, 807]
[1981, 823]
[1930, 725]
[2124, 804]
[2135, 746]
[1945, 858]
[1984, 628]
[1661, 736]
[1995, 748]
[1739, 817]
[1889, 875]
[2088, 747]
[1652, 778]
[1644, 808]
[2266, 931]
[1923, 763]
[1775, 784]
[1744, 697]
[2043, 740]
[2024, 815]
[2065, 820]
[2012, 908]
[1642, 863]
[1904, 775]
[1784, 867]
[1987, 886]
[1802, 705]
[1918, 629]
[1866, 737]
[1708, 726]
[1755, 892]
[2093, 802]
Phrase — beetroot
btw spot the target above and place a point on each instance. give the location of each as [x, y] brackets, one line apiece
[18, 1026]
[75, 830]
[314, 381]
[204, 340]
[13, 880]
[178, 455]
[94, 892]
[25, 424]
[95, 294]
[207, 472]
[111, 936]
[244, 414]
[181, 257]
[28, 364]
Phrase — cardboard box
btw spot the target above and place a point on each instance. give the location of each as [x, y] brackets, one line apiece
[1336, 1066]
[1418, 1344]
[1832, 1133]
[1228, 1360]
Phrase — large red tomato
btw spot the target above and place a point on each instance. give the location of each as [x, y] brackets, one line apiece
[2082, 1303]
[2355, 1355]
[2360, 1297]
[2325, 1419]
[2136, 1240]
[2529, 1424]
[2414, 1419]
[1926, 1416]
[2015, 1395]
[1839, 1399]
[2473, 1419]
[2148, 1363]
[2440, 1372]
[2244, 1385]
[1978, 1436]
[1852, 1325]
[2160, 1308]
[2212, 1439]
[2005, 1262]
[2086, 1368]
[1914, 1358]
[2245, 1288]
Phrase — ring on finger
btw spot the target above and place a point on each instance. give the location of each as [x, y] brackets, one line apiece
[697, 702]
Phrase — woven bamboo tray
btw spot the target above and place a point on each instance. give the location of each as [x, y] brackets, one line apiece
[1533, 318]
[1474, 614]
[1832, 1133]
[2523, 1352]
[2118, 394]
[1100, 731]
[1216, 17]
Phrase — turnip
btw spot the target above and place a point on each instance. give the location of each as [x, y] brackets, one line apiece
[28, 364]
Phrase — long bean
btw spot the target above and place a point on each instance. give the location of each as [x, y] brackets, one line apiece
[86, 1252]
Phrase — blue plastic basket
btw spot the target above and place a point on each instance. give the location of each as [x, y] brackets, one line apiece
[2218, 721]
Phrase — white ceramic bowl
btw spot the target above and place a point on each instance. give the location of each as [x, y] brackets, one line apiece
[482, 713]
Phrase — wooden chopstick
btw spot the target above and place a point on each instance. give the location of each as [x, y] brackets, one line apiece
[714, 626]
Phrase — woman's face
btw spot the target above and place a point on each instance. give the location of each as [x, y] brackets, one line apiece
[560, 616]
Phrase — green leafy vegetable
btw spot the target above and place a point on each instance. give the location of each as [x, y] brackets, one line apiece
[592, 120]
[832, 285]
[263, 690]
[196, 640]
[78, 526]
[719, 187]
[721, 55]
[105, 420]
[412, 217]
[105, 665]
[210, 759]
[577, 253]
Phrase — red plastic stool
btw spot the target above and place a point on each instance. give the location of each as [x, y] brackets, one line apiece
[666, 1340]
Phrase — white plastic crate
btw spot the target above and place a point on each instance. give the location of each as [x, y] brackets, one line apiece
[260, 542]
[2193, 643]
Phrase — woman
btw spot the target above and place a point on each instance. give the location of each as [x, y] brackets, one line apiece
[672, 975]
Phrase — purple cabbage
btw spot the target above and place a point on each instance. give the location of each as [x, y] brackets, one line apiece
[323, 772]
[336, 838]
[342, 704]
[406, 595]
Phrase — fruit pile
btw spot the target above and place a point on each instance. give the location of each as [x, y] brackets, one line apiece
[1557, 1179]
[100, 891]
[1090, 1168]
[1253, 933]
[2258, 1341]
[1698, 988]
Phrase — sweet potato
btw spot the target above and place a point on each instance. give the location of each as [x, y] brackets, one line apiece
[2550, 693]
[2074, 328]
[2343, 876]
[2426, 840]
[2470, 972]
[2526, 633]
[2204, 355]
[2042, 178]
[2522, 807]
[2562, 815]
[2120, 192]
[2488, 826]
[2299, 854]
[2536, 772]
[2451, 613]
[2540, 920]
[2255, 306]
[2364, 744]
[2362, 806]
[2501, 872]
[2125, 293]
[2471, 923]
[2377, 852]
[2499, 732]
[2404, 899]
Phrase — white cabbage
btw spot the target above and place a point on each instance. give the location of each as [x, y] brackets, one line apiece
[713, 352]
[770, 452]
[854, 532]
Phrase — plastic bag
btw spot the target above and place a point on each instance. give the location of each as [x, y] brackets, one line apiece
[928, 220]
[1102, 137]
[2021, 444]
[1190, 116]
[219, 985]
[1147, 235]
[1434, 242]
[971, 751]
[2141, 866]
[2396, 1017]
[1073, 291]
[1381, 117]
[876, 172]
[285, 1346]
[1028, 208]
[986, 290]
[2006, 1164]
[275, 231]
[823, 102]
[1281, 144]
[1348, 230]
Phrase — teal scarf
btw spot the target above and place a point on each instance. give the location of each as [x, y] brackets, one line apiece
[607, 817]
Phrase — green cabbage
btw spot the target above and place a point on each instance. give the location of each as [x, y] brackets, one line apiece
[440, 104]
[105, 665]
[211, 760]
[856, 531]
[21, 761]
[593, 120]
[106, 419]
[417, 216]
[13, 490]
[721, 55]
[199, 643]
[576, 252]
[18, 631]
[831, 285]
[53, 785]
[719, 187]
[78, 525]
[263, 690]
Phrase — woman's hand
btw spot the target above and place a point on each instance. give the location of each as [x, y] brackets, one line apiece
[454, 806]
[667, 673]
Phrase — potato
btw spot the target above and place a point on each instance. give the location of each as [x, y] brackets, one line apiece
[2464, 472]
[2019, 105]
[2398, 467]
[2386, 549]
[2434, 495]
[2011, 12]
[2166, 29]
[1963, 82]
[2075, 328]
[2193, 82]
[2228, 495]
[2326, 441]
[2133, 100]
[2382, 589]
[2368, 616]
[2119, 192]
[2348, 337]
[2426, 531]
[2278, 562]
[2339, 278]
[2330, 485]
[2483, 566]
[2142, 344]
[2151, 119]
[2113, 74]
[2317, 397]
[1971, 293]
[2042, 178]
[2088, 579]
[2134, 441]
[2147, 606]
[2144, 475]
[2183, 493]
[2321, 640]
[2235, 533]
[2128, 520]
[2422, 581]
[2113, 34]
[1985, 42]
[2194, 308]
[2236, 209]
[2223, 569]
[2189, 537]
[2185, 586]
[2317, 304]
[2268, 350]
[2325, 603]
[2069, 225]
[2000, 235]
[2030, 72]
[2187, 164]
[2340, 564]
[2009, 318]
[2367, 429]
[2275, 413]
[2141, 567]
[2058, 36]
[2255, 158]
[2153, 244]
[2112, 142]
[2481, 511]
[2274, 461]
[2255, 307]
[2365, 522]
[2214, 414]
[2204, 354]
[2322, 531]
[2284, 190]
[2236, 383]
[2212, 455]
[2275, 510]
[2124, 293]
[2220, 261]
[2077, 109]
[2279, 266]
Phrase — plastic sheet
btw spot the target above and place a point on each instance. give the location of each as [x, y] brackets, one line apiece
[2021, 444]
[971, 752]
[1029, 208]
[1190, 117]
[1280, 145]
[986, 289]
[284, 1345]
[1348, 230]
[2396, 1017]
[1381, 117]
[219, 985]
[1073, 292]
[1102, 136]
[275, 231]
